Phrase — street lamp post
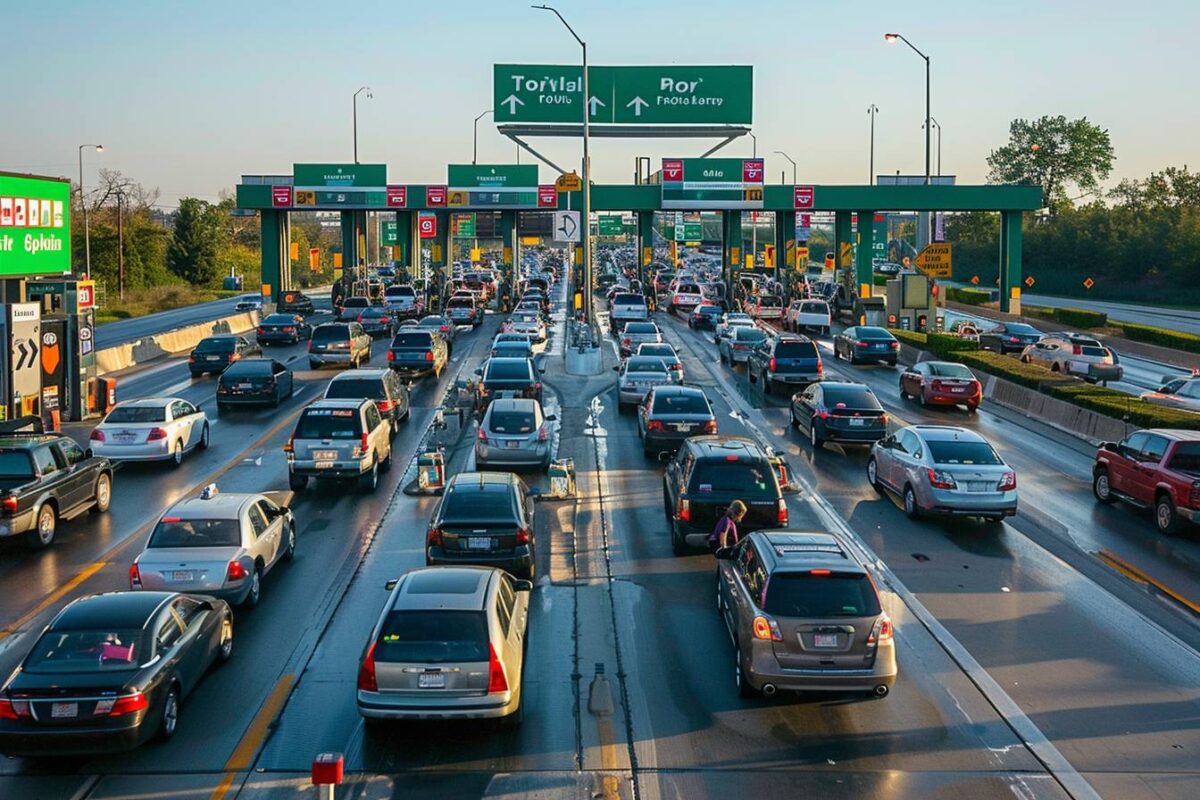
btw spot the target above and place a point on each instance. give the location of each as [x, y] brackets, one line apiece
[585, 225]
[938, 127]
[789, 158]
[891, 37]
[362, 89]
[87, 239]
[475, 137]
[872, 110]
[754, 139]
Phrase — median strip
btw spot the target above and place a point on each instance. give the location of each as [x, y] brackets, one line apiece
[1138, 575]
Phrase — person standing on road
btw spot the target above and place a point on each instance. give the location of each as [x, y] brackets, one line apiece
[725, 533]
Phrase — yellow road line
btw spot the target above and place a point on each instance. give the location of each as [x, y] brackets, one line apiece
[243, 755]
[1135, 574]
[53, 598]
[608, 758]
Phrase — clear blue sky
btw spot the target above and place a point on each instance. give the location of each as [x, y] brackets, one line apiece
[187, 97]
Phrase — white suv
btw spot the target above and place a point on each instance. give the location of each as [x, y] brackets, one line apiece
[1075, 354]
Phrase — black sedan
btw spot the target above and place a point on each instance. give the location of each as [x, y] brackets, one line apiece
[704, 317]
[111, 671]
[215, 353]
[835, 411]
[377, 321]
[866, 343]
[516, 376]
[670, 414]
[254, 381]
[283, 329]
[1009, 337]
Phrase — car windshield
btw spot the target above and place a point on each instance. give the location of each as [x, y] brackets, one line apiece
[418, 340]
[511, 421]
[507, 370]
[279, 319]
[802, 594]
[215, 346]
[331, 333]
[85, 651]
[681, 404]
[851, 397]
[471, 504]
[963, 452]
[356, 389]
[15, 464]
[433, 637]
[176, 532]
[795, 350]
[1186, 457]
[750, 478]
[950, 371]
[128, 414]
[328, 423]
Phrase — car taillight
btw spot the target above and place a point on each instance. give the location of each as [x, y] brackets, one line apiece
[862, 344]
[363, 444]
[894, 345]
[1014, 340]
[96, 436]
[1008, 482]
[360, 318]
[135, 576]
[881, 631]
[9, 504]
[481, 435]
[655, 425]
[883, 420]
[822, 414]
[445, 329]
[941, 480]
[496, 680]
[781, 514]
[710, 426]
[771, 366]
[289, 329]
[433, 537]
[626, 341]
[391, 356]
[14, 709]
[820, 367]
[522, 536]
[129, 704]
[385, 406]
[155, 434]
[260, 331]
[366, 672]
[235, 571]
[290, 445]
[429, 356]
[543, 433]
[683, 510]
[191, 359]
[234, 357]
[766, 629]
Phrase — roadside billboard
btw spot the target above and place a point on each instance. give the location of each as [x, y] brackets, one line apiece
[35, 226]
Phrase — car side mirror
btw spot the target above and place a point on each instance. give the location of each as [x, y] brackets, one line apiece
[533, 492]
[1111, 447]
[391, 584]
[551, 418]
[479, 371]
[522, 586]
[723, 554]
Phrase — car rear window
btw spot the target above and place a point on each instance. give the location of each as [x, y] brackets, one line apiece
[215, 346]
[708, 310]
[688, 288]
[467, 504]
[99, 650]
[331, 333]
[656, 350]
[15, 464]
[681, 404]
[645, 365]
[399, 291]
[460, 302]
[972, 453]
[356, 302]
[507, 370]
[950, 371]
[1022, 328]
[418, 339]
[433, 637]
[1093, 351]
[770, 301]
[1186, 457]
[175, 532]
[137, 414]
[512, 421]
[641, 327]
[247, 369]
[629, 299]
[279, 319]
[356, 389]
[802, 594]
[796, 350]
[375, 312]
[750, 478]
[873, 333]
[851, 397]
[814, 308]
[750, 335]
[328, 423]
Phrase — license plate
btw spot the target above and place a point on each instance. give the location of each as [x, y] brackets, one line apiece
[181, 576]
[513, 444]
[215, 358]
[978, 486]
[683, 427]
[825, 640]
[431, 680]
[124, 436]
[479, 543]
[64, 710]
[324, 465]
[958, 389]
[245, 386]
[325, 455]
[857, 422]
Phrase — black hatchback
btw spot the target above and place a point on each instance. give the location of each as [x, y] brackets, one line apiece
[836, 411]
[483, 518]
[215, 353]
[254, 381]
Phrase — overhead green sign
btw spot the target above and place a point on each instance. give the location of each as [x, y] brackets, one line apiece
[390, 233]
[473, 176]
[722, 183]
[610, 225]
[657, 95]
[308, 175]
[463, 225]
[35, 226]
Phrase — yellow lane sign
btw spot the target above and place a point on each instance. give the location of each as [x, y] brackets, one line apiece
[569, 182]
[935, 260]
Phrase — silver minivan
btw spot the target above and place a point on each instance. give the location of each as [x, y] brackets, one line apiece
[339, 343]
[450, 644]
[339, 439]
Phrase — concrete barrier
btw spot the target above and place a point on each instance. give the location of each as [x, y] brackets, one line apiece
[1091, 426]
[169, 343]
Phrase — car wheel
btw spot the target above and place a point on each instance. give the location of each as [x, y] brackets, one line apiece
[297, 483]
[386, 464]
[177, 453]
[745, 690]
[923, 400]
[814, 439]
[903, 392]
[370, 479]
[394, 429]
[225, 649]
[45, 526]
[102, 495]
[1024, 359]
[1165, 518]
[795, 422]
[204, 434]
[1101, 488]
[678, 546]
[766, 384]
[312, 364]
[750, 373]
[873, 475]
[911, 509]
[169, 718]
[255, 594]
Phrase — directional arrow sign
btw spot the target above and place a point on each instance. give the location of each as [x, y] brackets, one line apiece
[662, 94]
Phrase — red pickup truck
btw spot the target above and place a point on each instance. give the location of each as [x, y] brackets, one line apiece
[1157, 469]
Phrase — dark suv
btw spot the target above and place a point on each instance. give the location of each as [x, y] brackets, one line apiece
[418, 351]
[381, 385]
[516, 375]
[45, 478]
[706, 475]
[785, 358]
[484, 518]
[215, 353]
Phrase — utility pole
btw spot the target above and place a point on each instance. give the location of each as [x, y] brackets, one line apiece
[120, 244]
[872, 110]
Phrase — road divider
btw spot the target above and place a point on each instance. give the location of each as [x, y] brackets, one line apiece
[169, 343]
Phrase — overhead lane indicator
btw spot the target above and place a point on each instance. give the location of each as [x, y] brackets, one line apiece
[637, 104]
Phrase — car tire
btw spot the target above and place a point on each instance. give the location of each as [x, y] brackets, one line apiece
[903, 392]
[44, 528]
[386, 464]
[766, 387]
[911, 509]
[102, 494]
[795, 423]
[813, 438]
[745, 690]
[922, 399]
[254, 596]
[369, 480]
[204, 436]
[873, 475]
[1165, 517]
[177, 453]
[1101, 488]
[678, 545]
[750, 373]
[168, 719]
[297, 483]
[289, 551]
[222, 408]
[225, 647]
[312, 364]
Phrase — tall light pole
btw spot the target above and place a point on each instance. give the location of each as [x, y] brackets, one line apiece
[754, 152]
[789, 158]
[87, 239]
[892, 37]
[872, 110]
[585, 224]
[938, 126]
[475, 137]
[362, 89]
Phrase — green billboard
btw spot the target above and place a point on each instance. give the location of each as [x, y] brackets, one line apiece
[472, 176]
[35, 226]
[307, 175]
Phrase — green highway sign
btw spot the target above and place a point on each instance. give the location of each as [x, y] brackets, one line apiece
[35, 226]
[695, 183]
[474, 176]
[609, 225]
[390, 234]
[623, 95]
[339, 175]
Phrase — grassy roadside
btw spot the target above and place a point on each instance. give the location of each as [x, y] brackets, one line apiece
[140, 302]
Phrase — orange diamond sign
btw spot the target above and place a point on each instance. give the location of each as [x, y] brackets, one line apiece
[975, 279]
[1088, 283]
[1029, 281]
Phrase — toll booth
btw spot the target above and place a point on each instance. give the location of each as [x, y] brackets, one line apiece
[911, 304]
[65, 347]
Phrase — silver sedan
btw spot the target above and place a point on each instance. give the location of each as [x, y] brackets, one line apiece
[637, 376]
[150, 429]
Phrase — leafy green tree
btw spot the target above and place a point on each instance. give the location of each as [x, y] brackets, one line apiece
[192, 253]
[1054, 153]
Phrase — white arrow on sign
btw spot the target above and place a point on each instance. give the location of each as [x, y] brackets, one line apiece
[594, 103]
[638, 104]
[512, 101]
